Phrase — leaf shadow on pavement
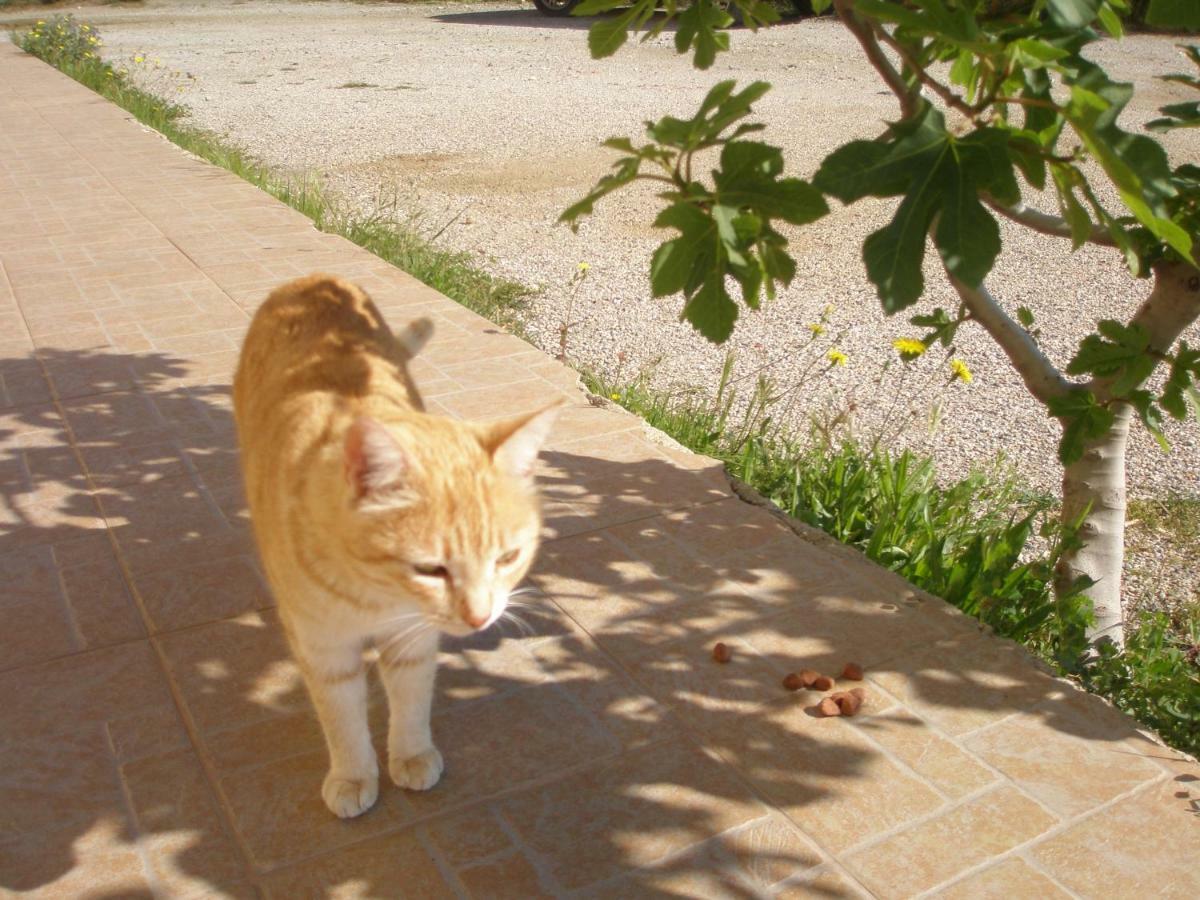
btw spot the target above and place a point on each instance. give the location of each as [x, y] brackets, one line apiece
[156, 737]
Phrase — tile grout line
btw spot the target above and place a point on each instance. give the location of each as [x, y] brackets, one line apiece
[149, 872]
[1018, 850]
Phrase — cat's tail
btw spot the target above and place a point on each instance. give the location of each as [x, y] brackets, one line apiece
[415, 335]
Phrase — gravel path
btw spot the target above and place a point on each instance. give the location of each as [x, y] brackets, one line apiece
[490, 115]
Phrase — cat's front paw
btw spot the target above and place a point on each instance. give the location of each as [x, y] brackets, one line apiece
[349, 797]
[417, 773]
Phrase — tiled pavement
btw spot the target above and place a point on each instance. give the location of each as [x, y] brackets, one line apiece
[155, 739]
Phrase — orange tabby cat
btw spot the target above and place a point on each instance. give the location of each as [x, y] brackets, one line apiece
[378, 524]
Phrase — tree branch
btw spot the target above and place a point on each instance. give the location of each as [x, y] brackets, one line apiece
[948, 96]
[866, 37]
[1041, 377]
[1043, 223]
[1171, 308]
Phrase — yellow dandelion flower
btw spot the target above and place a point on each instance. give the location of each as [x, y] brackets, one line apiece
[909, 348]
[614, 396]
[816, 328]
[583, 267]
[959, 370]
[85, 27]
[139, 59]
[836, 357]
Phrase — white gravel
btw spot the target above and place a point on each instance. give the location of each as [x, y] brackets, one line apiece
[493, 113]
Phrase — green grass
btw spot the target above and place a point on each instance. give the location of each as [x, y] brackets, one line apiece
[969, 541]
[65, 43]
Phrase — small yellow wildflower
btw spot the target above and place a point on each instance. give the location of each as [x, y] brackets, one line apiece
[836, 357]
[614, 396]
[583, 267]
[909, 348]
[139, 59]
[85, 27]
[959, 370]
[41, 22]
[816, 328]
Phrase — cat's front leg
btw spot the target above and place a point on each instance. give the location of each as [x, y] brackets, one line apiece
[408, 674]
[337, 683]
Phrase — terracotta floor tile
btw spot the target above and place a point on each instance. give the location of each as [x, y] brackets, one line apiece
[1146, 845]
[393, 865]
[120, 690]
[938, 760]
[823, 773]
[627, 812]
[1069, 774]
[183, 835]
[925, 855]
[763, 853]
[463, 838]
[1012, 879]
[280, 817]
[828, 883]
[513, 740]
[599, 687]
[508, 877]
[235, 673]
[64, 597]
[193, 595]
[965, 683]
[99, 861]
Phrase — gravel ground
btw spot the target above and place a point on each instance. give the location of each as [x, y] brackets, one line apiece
[488, 116]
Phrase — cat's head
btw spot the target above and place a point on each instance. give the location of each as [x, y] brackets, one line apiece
[444, 514]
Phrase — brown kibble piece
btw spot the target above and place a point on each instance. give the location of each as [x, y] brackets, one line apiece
[829, 707]
[808, 676]
[823, 683]
[722, 653]
[846, 702]
[859, 693]
[793, 682]
[853, 671]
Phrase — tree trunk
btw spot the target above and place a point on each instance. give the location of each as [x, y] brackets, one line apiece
[1096, 483]
[1099, 477]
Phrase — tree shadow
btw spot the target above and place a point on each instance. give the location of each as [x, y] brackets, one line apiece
[155, 735]
[531, 18]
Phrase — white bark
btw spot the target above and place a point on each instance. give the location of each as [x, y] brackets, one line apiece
[1098, 478]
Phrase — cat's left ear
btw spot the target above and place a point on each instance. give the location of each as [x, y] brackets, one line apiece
[377, 469]
[514, 443]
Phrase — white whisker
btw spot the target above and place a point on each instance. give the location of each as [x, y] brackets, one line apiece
[409, 639]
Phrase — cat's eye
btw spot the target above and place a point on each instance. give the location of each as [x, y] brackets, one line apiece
[508, 558]
[432, 571]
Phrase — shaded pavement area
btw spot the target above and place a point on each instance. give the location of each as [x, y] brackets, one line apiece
[155, 739]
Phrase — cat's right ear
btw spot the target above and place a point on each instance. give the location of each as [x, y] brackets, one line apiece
[376, 467]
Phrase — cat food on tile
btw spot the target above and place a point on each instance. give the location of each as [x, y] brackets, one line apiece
[722, 653]
[853, 671]
[847, 703]
[793, 682]
[822, 683]
[808, 676]
[859, 693]
[829, 707]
